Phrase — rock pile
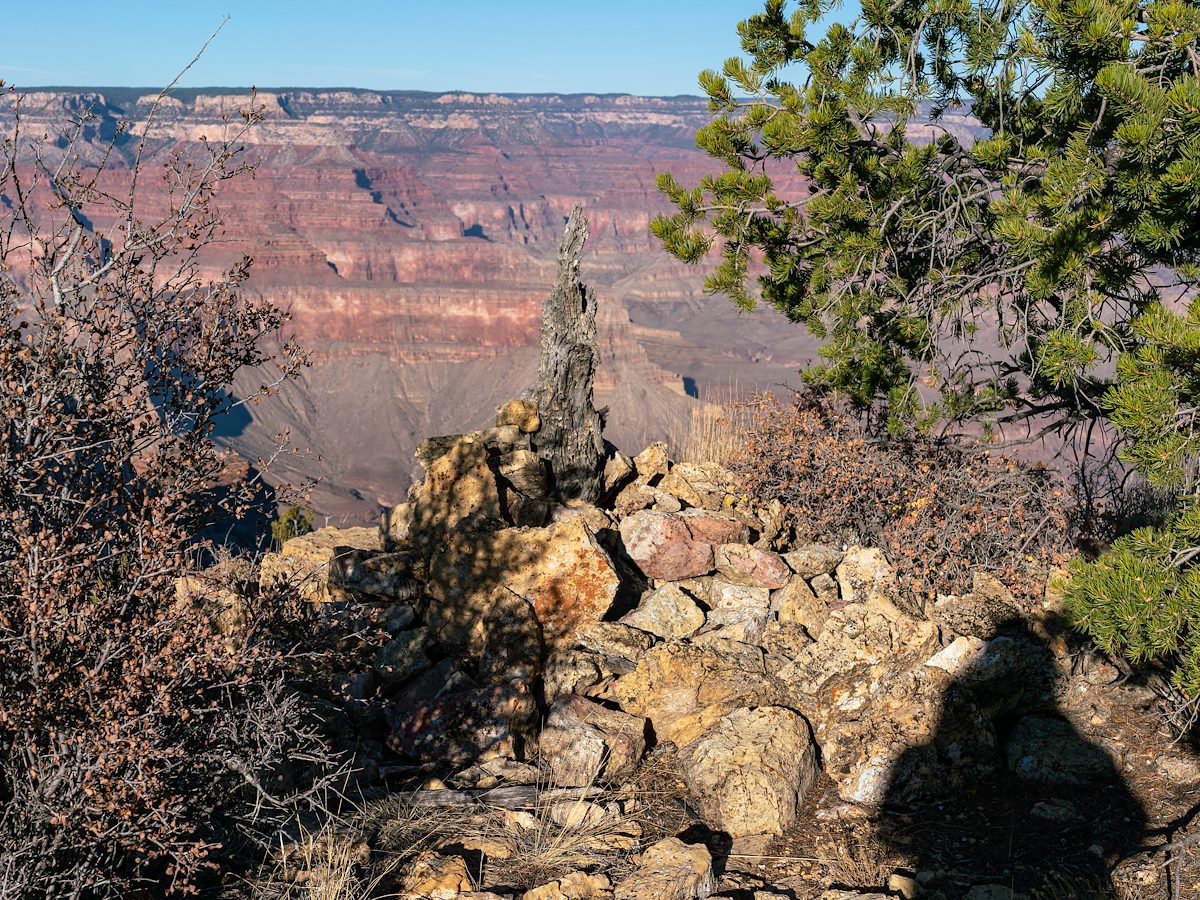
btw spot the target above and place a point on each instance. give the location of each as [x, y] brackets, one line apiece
[675, 616]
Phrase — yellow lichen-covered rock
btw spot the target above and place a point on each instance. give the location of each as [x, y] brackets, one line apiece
[215, 592]
[618, 470]
[522, 413]
[864, 576]
[458, 486]
[561, 570]
[583, 742]
[714, 484]
[438, 877]
[304, 561]
[877, 737]
[652, 461]
[575, 886]
[684, 688]
[670, 870]
[680, 488]
[667, 612]
[796, 603]
[751, 772]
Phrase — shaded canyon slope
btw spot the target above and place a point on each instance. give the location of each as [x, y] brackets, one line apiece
[413, 237]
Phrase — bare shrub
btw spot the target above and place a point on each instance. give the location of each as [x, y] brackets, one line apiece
[937, 508]
[137, 742]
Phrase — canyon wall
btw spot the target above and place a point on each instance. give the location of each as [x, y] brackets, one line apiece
[413, 238]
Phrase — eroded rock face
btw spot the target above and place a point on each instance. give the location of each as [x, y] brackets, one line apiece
[974, 615]
[739, 611]
[854, 636]
[585, 743]
[812, 560]
[403, 656]
[670, 870]
[305, 561]
[394, 576]
[752, 770]
[215, 593]
[864, 576]
[522, 413]
[573, 886]
[796, 603]
[652, 462]
[1004, 674]
[438, 877]
[680, 488]
[684, 688]
[667, 612]
[561, 569]
[459, 485]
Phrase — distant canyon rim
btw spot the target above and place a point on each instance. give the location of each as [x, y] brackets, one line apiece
[413, 237]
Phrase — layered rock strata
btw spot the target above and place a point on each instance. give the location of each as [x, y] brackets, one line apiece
[412, 237]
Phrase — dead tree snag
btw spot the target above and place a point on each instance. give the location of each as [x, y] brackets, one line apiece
[571, 436]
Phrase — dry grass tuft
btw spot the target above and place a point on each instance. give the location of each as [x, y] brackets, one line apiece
[329, 865]
[518, 848]
[853, 856]
[710, 436]
[361, 860]
[549, 850]
[404, 830]
[661, 799]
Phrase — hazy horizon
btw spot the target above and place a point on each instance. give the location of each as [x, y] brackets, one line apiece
[236, 88]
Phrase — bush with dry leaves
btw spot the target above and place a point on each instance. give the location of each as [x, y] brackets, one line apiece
[939, 509]
[138, 744]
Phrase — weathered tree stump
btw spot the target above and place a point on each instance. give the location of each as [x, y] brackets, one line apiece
[570, 439]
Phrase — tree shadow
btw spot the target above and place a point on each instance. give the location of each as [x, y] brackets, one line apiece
[1048, 815]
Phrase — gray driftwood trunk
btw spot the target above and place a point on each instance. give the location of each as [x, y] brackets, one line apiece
[571, 437]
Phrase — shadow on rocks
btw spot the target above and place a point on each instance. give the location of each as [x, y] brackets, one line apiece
[1046, 814]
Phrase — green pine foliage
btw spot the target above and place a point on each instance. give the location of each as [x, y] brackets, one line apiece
[1141, 599]
[1054, 228]
[292, 522]
[1035, 270]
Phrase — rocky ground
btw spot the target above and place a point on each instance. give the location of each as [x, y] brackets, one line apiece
[662, 696]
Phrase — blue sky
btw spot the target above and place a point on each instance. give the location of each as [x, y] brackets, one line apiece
[648, 47]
